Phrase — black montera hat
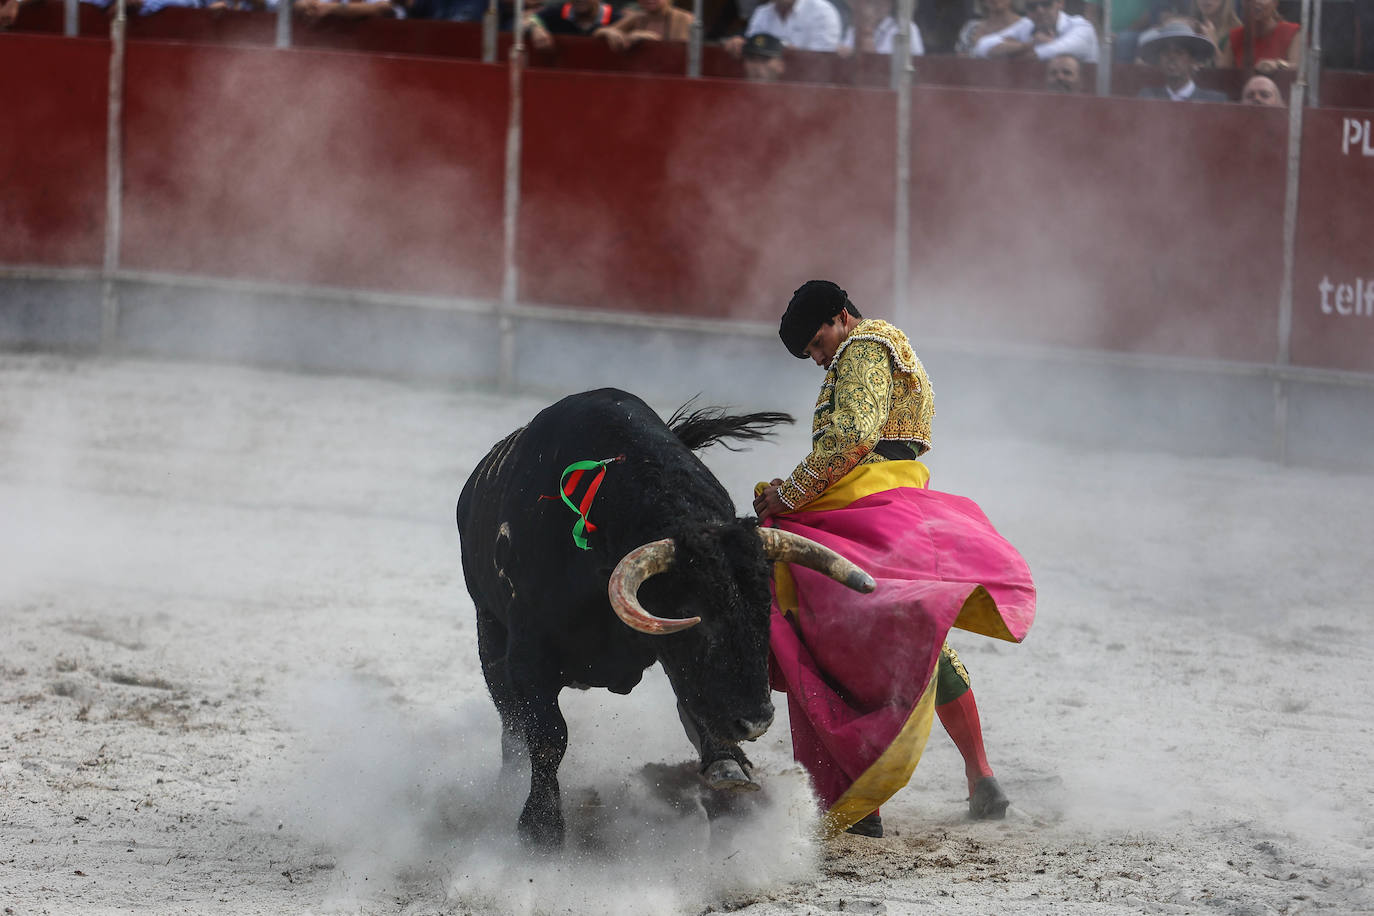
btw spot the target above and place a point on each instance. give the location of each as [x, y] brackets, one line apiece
[761, 44]
[813, 304]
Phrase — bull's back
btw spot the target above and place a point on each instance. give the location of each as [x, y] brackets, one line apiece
[580, 424]
[487, 478]
[512, 493]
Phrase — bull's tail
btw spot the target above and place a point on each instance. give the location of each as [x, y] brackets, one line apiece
[697, 429]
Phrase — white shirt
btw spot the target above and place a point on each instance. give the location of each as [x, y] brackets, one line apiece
[1183, 94]
[989, 41]
[1075, 36]
[885, 36]
[813, 25]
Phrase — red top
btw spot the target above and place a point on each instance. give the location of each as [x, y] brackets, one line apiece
[604, 15]
[1267, 47]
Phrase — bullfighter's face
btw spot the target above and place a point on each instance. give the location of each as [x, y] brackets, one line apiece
[827, 340]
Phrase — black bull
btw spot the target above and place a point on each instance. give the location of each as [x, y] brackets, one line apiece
[552, 615]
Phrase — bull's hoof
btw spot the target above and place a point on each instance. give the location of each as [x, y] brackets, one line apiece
[541, 833]
[727, 775]
[987, 802]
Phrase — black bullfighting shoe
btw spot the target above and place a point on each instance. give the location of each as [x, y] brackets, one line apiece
[872, 825]
[726, 774]
[988, 802]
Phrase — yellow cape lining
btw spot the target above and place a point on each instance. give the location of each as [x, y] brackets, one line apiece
[890, 772]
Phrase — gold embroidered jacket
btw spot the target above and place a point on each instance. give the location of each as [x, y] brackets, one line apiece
[875, 389]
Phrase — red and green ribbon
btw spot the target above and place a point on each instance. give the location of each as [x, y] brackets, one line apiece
[568, 483]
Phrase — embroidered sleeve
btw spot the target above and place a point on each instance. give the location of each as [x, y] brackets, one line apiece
[850, 414]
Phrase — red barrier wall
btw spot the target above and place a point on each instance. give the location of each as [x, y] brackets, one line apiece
[307, 167]
[1347, 89]
[52, 155]
[701, 197]
[1119, 223]
[1107, 223]
[403, 36]
[1333, 282]
[50, 18]
[204, 27]
[661, 58]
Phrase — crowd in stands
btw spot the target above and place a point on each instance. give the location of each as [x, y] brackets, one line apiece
[1178, 37]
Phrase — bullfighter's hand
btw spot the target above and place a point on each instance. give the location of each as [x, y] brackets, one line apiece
[766, 500]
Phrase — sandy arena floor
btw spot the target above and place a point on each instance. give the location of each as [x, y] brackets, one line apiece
[239, 676]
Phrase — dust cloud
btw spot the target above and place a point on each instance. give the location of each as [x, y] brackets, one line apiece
[405, 798]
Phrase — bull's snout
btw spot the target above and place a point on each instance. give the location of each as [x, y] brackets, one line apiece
[751, 727]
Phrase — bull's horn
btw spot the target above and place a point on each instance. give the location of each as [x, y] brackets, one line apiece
[636, 566]
[788, 547]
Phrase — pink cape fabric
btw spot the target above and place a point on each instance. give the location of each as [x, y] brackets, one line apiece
[854, 666]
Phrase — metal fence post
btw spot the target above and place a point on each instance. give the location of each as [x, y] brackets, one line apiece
[1314, 51]
[489, 27]
[284, 23]
[901, 235]
[510, 275]
[694, 42]
[1107, 52]
[114, 178]
[1290, 237]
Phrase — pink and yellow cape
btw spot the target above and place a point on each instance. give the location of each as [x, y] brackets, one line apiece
[859, 670]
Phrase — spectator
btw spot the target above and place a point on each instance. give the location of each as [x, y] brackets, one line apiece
[148, 7]
[1261, 90]
[9, 11]
[940, 22]
[875, 24]
[1064, 74]
[1217, 19]
[656, 20]
[349, 9]
[763, 58]
[978, 36]
[807, 25]
[1049, 31]
[1178, 51]
[447, 10]
[1276, 43]
[1130, 18]
[567, 17]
